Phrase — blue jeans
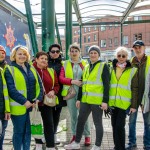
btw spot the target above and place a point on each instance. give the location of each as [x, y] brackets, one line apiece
[132, 129]
[21, 132]
[4, 126]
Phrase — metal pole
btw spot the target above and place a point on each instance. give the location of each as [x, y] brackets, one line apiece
[57, 31]
[31, 26]
[48, 23]
[68, 17]
[80, 36]
[121, 34]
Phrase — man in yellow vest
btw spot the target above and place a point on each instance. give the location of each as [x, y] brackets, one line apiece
[94, 97]
[142, 62]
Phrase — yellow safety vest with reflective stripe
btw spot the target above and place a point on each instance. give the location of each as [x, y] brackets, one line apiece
[5, 92]
[120, 93]
[92, 88]
[20, 84]
[51, 72]
[68, 74]
[145, 99]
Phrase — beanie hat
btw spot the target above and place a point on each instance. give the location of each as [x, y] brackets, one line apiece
[95, 48]
[2, 49]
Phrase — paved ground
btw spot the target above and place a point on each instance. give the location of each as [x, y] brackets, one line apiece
[65, 136]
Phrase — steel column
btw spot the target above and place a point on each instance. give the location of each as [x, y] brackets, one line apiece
[48, 23]
[68, 19]
[31, 26]
[121, 34]
[80, 36]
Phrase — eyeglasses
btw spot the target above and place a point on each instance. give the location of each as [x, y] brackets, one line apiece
[74, 51]
[123, 56]
[57, 51]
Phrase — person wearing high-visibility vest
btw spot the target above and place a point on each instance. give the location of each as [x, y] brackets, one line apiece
[142, 62]
[94, 97]
[25, 90]
[4, 100]
[55, 62]
[51, 88]
[122, 95]
[70, 75]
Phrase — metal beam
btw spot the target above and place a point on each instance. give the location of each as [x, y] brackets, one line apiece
[77, 11]
[68, 30]
[57, 32]
[31, 26]
[48, 23]
[100, 23]
[129, 9]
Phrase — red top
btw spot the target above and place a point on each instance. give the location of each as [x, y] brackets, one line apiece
[63, 79]
[47, 79]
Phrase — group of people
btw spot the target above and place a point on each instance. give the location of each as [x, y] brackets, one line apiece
[122, 87]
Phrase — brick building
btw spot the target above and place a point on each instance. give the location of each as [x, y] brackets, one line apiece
[108, 37]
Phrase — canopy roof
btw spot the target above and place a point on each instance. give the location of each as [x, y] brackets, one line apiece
[90, 10]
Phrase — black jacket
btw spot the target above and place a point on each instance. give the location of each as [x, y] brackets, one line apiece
[56, 64]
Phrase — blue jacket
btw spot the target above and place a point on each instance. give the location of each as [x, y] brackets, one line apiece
[30, 84]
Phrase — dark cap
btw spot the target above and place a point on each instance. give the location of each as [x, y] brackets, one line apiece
[138, 43]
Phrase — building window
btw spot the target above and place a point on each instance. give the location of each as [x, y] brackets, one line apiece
[110, 27]
[136, 18]
[75, 32]
[78, 40]
[103, 28]
[89, 29]
[84, 39]
[137, 36]
[78, 31]
[89, 38]
[86, 49]
[84, 30]
[115, 41]
[110, 42]
[125, 40]
[103, 43]
[95, 28]
[95, 37]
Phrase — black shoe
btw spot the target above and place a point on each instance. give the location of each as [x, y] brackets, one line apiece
[131, 146]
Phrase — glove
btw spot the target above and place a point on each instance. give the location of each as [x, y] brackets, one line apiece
[108, 112]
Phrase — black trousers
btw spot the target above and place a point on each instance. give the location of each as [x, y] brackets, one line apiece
[118, 125]
[50, 117]
[84, 112]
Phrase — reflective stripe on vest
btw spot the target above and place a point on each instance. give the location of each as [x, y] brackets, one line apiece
[68, 74]
[51, 72]
[120, 93]
[92, 88]
[16, 108]
[5, 92]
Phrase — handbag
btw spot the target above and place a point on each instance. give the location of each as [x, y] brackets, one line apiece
[71, 93]
[50, 101]
[36, 123]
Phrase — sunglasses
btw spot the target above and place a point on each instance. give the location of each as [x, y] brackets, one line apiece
[74, 51]
[57, 51]
[123, 56]
[21, 47]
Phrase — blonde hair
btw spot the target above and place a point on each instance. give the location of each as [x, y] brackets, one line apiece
[122, 49]
[15, 49]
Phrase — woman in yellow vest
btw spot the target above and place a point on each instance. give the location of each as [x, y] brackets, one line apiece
[25, 89]
[51, 86]
[122, 95]
[94, 97]
[70, 75]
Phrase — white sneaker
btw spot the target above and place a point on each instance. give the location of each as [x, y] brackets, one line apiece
[72, 145]
[38, 147]
[95, 147]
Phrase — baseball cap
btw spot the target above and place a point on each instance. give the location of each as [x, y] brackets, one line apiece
[138, 43]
